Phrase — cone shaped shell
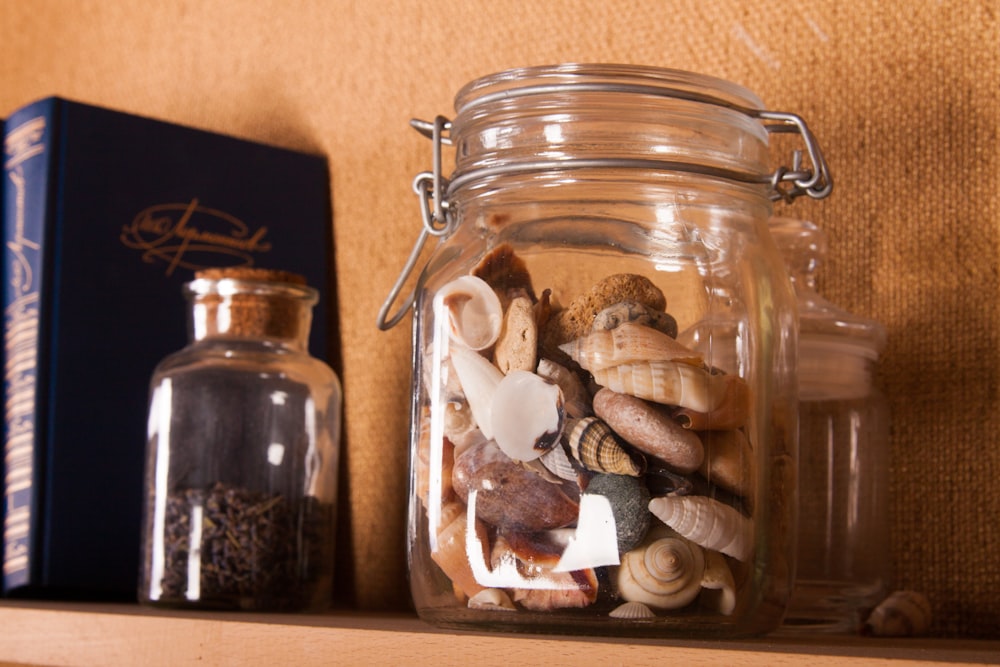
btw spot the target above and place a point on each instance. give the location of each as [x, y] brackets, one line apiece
[707, 522]
[479, 379]
[666, 382]
[596, 447]
[628, 343]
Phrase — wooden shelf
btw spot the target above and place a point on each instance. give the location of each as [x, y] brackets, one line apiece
[89, 634]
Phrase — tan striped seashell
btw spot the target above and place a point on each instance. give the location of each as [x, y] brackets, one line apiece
[664, 572]
[902, 614]
[707, 522]
[627, 343]
[597, 448]
[666, 382]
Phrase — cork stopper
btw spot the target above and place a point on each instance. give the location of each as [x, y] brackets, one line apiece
[251, 273]
[251, 302]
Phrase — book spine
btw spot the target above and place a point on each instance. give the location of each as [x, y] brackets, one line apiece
[28, 150]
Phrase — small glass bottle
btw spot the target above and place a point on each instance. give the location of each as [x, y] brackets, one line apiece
[604, 410]
[242, 455]
[843, 565]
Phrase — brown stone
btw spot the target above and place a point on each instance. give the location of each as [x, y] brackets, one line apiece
[649, 428]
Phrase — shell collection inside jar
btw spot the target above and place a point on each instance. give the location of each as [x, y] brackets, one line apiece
[583, 455]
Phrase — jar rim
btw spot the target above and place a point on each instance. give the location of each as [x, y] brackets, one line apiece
[642, 78]
[227, 287]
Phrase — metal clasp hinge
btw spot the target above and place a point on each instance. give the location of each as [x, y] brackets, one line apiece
[789, 183]
[430, 187]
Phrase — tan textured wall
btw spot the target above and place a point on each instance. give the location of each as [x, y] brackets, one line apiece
[903, 96]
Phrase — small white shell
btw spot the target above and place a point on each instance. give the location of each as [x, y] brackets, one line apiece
[719, 583]
[707, 522]
[492, 599]
[479, 379]
[632, 611]
[475, 316]
[527, 415]
[902, 614]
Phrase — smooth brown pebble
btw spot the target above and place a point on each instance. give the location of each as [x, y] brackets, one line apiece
[649, 429]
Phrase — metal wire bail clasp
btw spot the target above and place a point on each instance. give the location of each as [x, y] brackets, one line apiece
[789, 183]
[430, 187]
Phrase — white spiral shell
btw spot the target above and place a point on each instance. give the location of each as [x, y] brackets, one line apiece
[707, 522]
[664, 572]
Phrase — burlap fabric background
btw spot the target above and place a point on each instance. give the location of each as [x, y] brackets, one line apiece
[903, 97]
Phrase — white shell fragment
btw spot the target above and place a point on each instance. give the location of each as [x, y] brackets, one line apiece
[707, 522]
[475, 316]
[902, 614]
[527, 415]
[492, 599]
[632, 611]
[479, 379]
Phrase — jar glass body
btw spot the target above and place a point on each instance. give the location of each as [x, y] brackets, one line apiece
[242, 457]
[532, 508]
[843, 548]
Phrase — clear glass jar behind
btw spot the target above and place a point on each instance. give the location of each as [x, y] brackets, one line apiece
[843, 553]
[242, 455]
[604, 415]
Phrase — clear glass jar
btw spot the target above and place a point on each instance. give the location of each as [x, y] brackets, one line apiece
[242, 455]
[604, 401]
[843, 553]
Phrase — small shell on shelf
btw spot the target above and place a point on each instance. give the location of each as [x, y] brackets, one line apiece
[596, 447]
[903, 614]
[664, 572]
[526, 415]
[517, 345]
[630, 342]
[707, 522]
[667, 382]
[479, 379]
[492, 599]
[473, 309]
[633, 311]
[632, 611]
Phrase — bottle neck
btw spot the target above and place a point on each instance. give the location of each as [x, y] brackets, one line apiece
[250, 311]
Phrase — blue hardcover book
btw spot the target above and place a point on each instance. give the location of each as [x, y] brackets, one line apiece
[106, 215]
